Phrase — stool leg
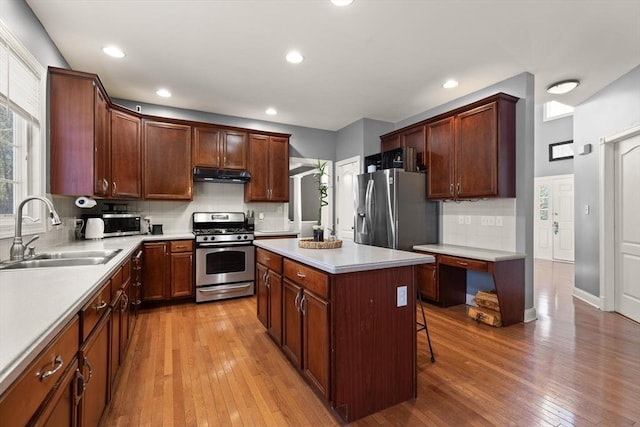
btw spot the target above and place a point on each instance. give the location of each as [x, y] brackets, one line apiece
[424, 326]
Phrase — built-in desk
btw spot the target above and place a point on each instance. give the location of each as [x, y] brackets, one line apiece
[446, 280]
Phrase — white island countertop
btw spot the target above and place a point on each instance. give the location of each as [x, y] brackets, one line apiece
[36, 303]
[351, 257]
[470, 252]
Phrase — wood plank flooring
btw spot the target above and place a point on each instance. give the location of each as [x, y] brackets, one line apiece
[214, 365]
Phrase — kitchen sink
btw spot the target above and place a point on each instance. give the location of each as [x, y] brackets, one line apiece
[62, 259]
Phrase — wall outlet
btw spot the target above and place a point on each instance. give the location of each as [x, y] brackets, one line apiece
[401, 293]
[467, 219]
[491, 221]
[498, 221]
[484, 221]
[461, 219]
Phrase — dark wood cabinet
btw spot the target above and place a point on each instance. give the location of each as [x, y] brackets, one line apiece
[269, 291]
[390, 142]
[62, 408]
[167, 160]
[414, 136]
[427, 276]
[102, 159]
[269, 166]
[126, 155]
[220, 148]
[471, 151]
[291, 322]
[167, 270]
[94, 366]
[315, 339]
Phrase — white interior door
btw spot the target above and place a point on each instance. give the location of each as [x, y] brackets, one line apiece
[627, 226]
[347, 171]
[543, 248]
[563, 220]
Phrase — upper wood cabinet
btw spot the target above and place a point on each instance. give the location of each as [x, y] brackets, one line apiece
[167, 160]
[220, 148]
[269, 168]
[471, 151]
[126, 155]
[414, 136]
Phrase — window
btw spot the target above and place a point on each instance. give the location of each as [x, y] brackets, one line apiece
[554, 110]
[22, 88]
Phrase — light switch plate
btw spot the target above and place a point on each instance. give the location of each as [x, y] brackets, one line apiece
[402, 296]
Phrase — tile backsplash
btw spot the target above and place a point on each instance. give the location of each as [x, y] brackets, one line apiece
[489, 224]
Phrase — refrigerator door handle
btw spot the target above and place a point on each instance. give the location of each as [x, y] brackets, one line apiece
[370, 210]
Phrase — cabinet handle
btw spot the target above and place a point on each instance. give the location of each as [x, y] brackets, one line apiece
[125, 303]
[224, 160]
[267, 259]
[90, 370]
[434, 274]
[181, 247]
[137, 302]
[302, 301]
[58, 363]
[115, 187]
[100, 306]
[81, 387]
[458, 188]
[462, 263]
[301, 275]
[267, 279]
[295, 303]
[451, 189]
[105, 185]
[137, 284]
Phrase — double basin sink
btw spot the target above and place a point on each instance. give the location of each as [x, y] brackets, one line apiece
[62, 259]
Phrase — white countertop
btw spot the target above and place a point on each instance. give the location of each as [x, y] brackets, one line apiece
[35, 304]
[470, 252]
[349, 258]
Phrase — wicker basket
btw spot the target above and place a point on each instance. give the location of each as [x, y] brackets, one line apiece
[311, 244]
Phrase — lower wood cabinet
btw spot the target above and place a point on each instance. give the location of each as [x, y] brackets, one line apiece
[427, 275]
[167, 270]
[269, 291]
[61, 410]
[94, 367]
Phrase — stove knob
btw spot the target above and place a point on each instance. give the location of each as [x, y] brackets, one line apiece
[239, 237]
[245, 237]
[213, 238]
[205, 238]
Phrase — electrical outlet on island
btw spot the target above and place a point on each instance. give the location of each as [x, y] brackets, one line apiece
[402, 296]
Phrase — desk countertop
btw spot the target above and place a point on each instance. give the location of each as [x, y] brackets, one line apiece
[470, 252]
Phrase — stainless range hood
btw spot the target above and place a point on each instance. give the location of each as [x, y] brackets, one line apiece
[221, 175]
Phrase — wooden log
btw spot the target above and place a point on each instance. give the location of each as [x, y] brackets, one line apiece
[485, 315]
[487, 300]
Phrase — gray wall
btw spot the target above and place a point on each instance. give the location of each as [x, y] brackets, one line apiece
[349, 140]
[613, 109]
[305, 142]
[557, 130]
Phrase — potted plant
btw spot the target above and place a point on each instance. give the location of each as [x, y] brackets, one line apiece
[322, 179]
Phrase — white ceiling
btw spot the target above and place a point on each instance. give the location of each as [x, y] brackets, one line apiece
[379, 59]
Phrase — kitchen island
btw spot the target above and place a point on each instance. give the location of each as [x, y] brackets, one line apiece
[345, 318]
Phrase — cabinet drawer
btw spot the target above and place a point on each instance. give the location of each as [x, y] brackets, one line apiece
[469, 264]
[91, 313]
[307, 277]
[30, 389]
[181, 246]
[269, 259]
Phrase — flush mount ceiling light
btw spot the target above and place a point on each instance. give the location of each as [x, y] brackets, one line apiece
[450, 84]
[113, 51]
[295, 57]
[271, 111]
[341, 3]
[163, 93]
[563, 87]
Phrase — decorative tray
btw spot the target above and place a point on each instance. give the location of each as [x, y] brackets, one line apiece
[311, 244]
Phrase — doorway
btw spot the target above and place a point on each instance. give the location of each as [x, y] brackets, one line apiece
[619, 227]
[346, 172]
[554, 218]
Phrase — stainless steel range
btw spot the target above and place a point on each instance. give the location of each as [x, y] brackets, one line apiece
[225, 255]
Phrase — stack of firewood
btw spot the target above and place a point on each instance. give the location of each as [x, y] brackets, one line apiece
[488, 310]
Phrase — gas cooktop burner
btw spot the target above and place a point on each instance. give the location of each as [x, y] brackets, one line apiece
[209, 231]
[221, 227]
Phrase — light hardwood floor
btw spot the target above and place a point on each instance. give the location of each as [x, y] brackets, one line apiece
[214, 365]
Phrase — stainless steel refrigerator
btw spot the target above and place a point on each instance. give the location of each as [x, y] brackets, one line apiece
[392, 210]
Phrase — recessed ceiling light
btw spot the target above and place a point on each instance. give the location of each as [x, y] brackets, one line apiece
[113, 51]
[342, 2]
[450, 84]
[295, 57]
[271, 111]
[163, 93]
[563, 87]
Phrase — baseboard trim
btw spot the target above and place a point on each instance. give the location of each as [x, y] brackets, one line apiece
[586, 297]
[530, 315]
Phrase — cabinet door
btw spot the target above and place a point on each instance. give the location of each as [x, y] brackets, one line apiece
[278, 169]
[181, 275]
[427, 281]
[116, 329]
[291, 322]
[416, 138]
[95, 368]
[477, 152]
[440, 149]
[262, 293]
[315, 314]
[234, 150]
[126, 155]
[390, 143]
[155, 272]
[205, 146]
[275, 306]
[61, 410]
[102, 159]
[167, 161]
[258, 188]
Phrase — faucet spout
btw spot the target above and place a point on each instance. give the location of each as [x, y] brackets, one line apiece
[18, 248]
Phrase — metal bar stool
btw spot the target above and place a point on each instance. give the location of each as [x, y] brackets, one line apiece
[423, 325]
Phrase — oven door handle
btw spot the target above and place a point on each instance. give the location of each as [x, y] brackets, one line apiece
[224, 288]
[223, 244]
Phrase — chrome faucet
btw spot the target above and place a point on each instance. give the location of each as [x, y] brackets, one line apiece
[18, 248]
